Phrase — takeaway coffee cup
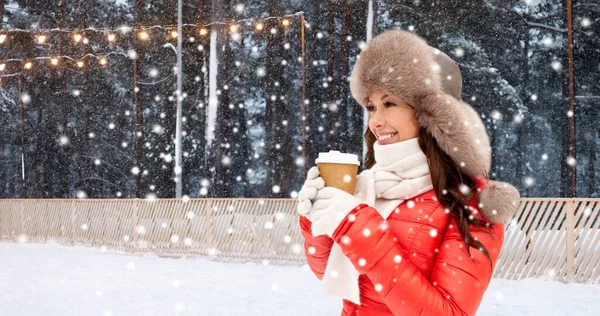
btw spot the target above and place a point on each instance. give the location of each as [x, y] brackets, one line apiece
[338, 169]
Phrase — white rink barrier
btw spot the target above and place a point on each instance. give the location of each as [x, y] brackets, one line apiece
[559, 238]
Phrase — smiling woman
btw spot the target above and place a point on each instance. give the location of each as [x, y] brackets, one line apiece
[423, 231]
[390, 119]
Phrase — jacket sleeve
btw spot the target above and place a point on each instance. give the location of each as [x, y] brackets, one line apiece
[317, 249]
[456, 284]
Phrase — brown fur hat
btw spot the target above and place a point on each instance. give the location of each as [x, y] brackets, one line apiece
[403, 65]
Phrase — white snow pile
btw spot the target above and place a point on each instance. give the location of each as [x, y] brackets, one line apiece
[56, 280]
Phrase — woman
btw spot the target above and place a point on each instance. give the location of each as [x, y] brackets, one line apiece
[423, 231]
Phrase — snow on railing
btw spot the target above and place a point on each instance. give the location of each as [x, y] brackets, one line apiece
[557, 238]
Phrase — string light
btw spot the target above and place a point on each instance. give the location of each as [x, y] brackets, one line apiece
[144, 35]
[112, 37]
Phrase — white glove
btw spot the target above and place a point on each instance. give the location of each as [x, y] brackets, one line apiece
[329, 208]
[309, 191]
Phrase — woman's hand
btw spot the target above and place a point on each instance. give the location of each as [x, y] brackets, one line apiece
[329, 208]
[309, 191]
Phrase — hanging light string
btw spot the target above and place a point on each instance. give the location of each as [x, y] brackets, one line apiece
[111, 36]
[126, 29]
[55, 60]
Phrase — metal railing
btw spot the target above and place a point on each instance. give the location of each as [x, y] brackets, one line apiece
[559, 238]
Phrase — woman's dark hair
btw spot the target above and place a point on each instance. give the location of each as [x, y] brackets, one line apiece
[447, 179]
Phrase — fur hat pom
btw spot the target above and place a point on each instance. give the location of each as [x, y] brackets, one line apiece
[498, 202]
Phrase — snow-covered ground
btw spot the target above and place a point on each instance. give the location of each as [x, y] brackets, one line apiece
[55, 280]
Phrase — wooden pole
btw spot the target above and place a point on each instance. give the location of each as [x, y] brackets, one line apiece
[138, 111]
[303, 96]
[179, 96]
[22, 140]
[571, 99]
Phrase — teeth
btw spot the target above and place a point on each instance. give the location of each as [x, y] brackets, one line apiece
[384, 137]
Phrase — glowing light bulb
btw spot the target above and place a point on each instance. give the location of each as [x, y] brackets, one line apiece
[28, 65]
[111, 37]
[2, 38]
[285, 22]
[260, 26]
[54, 61]
[41, 39]
[203, 31]
[80, 64]
[103, 61]
[77, 38]
[144, 35]
[174, 34]
[2, 67]
[233, 28]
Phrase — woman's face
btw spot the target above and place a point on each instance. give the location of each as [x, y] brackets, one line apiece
[390, 119]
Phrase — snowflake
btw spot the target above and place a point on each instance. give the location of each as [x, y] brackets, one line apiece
[63, 140]
[556, 65]
[586, 22]
[25, 98]
[276, 189]
[140, 229]
[459, 52]
[529, 181]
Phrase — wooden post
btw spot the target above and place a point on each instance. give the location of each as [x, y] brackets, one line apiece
[73, 222]
[138, 111]
[571, 99]
[569, 207]
[303, 97]
[22, 140]
[134, 234]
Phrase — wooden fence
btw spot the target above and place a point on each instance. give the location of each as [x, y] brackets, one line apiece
[558, 238]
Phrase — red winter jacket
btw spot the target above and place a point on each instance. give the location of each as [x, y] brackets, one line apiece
[419, 264]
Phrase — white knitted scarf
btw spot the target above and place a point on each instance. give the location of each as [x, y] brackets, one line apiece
[401, 172]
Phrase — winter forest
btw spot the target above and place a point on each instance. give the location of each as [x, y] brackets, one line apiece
[88, 111]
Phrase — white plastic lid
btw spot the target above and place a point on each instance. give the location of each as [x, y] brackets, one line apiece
[334, 156]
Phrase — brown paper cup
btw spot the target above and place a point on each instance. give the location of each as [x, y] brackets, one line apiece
[338, 170]
[337, 175]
